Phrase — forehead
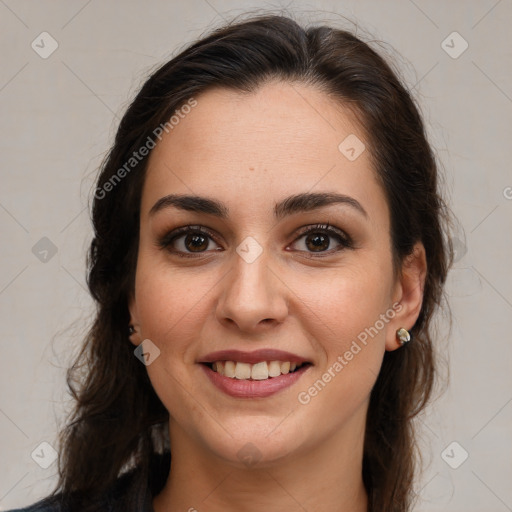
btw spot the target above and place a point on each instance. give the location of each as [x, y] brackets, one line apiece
[279, 140]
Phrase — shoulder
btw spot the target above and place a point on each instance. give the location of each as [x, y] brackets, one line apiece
[116, 493]
[132, 490]
[52, 504]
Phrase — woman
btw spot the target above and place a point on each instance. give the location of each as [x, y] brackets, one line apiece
[270, 247]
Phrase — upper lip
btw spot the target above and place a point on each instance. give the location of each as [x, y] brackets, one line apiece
[264, 354]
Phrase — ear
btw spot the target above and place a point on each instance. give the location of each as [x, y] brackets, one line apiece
[135, 337]
[408, 294]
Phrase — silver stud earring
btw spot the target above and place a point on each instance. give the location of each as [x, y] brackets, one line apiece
[403, 336]
[131, 330]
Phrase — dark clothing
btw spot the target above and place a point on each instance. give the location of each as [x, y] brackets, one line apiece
[132, 492]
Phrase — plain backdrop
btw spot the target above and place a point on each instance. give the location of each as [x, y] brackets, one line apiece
[59, 115]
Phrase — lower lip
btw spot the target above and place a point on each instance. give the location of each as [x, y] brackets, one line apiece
[253, 388]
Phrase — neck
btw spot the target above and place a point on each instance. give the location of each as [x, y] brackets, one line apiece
[323, 477]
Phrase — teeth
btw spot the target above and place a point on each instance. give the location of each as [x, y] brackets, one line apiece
[258, 371]
[229, 369]
[218, 367]
[274, 369]
[242, 371]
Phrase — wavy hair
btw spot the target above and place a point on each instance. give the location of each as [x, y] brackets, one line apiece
[118, 422]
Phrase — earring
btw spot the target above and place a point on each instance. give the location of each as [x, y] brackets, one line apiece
[131, 330]
[403, 336]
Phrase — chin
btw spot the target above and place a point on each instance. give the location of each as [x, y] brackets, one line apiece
[255, 442]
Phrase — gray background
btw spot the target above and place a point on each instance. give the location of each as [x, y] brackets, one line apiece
[59, 117]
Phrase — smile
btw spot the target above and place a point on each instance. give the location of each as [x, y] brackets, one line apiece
[245, 385]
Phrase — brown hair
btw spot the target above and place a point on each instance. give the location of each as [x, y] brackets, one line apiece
[118, 420]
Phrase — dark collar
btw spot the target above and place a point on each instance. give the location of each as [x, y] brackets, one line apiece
[135, 489]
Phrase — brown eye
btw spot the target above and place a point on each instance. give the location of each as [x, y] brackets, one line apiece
[317, 242]
[196, 242]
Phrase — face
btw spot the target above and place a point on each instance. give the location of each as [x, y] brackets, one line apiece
[260, 272]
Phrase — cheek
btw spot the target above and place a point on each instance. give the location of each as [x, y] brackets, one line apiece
[347, 329]
[345, 302]
[171, 303]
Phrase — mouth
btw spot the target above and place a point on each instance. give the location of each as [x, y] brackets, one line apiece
[257, 374]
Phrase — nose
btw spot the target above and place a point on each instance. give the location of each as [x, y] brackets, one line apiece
[253, 298]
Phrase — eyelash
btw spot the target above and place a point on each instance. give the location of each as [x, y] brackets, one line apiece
[343, 239]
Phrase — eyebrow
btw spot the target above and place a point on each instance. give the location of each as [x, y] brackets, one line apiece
[304, 202]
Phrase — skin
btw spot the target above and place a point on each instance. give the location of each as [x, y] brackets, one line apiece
[250, 151]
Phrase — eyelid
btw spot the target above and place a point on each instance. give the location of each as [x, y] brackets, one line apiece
[326, 227]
